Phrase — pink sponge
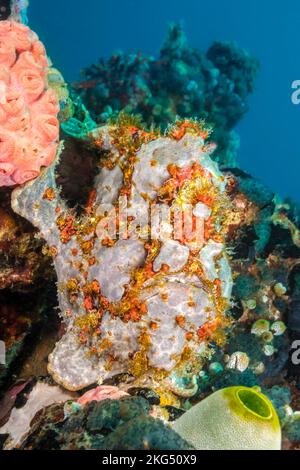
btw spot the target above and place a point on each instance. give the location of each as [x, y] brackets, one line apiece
[29, 128]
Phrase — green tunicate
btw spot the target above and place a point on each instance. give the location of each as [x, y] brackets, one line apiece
[280, 289]
[251, 304]
[215, 368]
[267, 337]
[258, 368]
[260, 327]
[278, 327]
[234, 418]
[255, 403]
[268, 350]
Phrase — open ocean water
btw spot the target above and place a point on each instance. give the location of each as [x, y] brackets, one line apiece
[77, 33]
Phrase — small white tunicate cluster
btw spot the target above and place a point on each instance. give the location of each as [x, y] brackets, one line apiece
[265, 331]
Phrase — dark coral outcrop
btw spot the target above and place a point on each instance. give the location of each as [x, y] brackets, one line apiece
[181, 82]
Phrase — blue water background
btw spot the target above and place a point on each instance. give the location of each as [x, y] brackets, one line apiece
[78, 32]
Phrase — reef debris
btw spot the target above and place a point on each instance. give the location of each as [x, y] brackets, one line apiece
[106, 425]
[102, 392]
[41, 395]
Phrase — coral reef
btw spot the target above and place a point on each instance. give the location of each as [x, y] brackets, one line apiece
[256, 350]
[106, 425]
[182, 82]
[22, 261]
[164, 320]
[24, 265]
[258, 343]
[161, 300]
